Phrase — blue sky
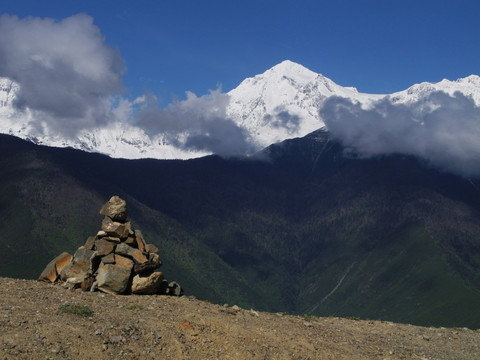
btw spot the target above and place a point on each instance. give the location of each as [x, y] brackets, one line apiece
[170, 47]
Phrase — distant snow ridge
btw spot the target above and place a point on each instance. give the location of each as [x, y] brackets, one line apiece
[279, 104]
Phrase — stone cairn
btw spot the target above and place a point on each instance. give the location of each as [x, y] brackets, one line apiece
[116, 261]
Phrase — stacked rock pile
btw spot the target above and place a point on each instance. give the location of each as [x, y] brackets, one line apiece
[117, 260]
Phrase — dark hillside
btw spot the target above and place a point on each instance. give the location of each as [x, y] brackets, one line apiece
[302, 228]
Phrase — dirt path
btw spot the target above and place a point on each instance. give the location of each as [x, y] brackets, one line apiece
[147, 327]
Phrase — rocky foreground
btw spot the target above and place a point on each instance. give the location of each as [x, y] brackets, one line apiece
[37, 322]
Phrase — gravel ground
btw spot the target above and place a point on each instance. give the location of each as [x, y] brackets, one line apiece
[33, 326]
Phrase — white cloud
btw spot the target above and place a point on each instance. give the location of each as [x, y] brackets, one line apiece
[66, 72]
[442, 129]
[197, 123]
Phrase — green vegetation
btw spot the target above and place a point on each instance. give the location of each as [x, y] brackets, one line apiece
[322, 235]
[77, 309]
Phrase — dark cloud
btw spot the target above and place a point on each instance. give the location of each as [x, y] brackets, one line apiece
[197, 123]
[442, 129]
[67, 75]
[281, 118]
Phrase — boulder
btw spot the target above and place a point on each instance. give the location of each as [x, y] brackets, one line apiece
[174, 289]
[55, 267]
[115, 209]
[114, 278]
[147, 283]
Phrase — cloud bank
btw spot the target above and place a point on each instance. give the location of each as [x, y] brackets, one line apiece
[70, 80]
[442, 129]
[197, 123]
[66, 72]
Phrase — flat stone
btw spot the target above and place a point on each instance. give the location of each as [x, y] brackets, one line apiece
[131, 241]
[140, 241]
[124, 249]
[104, 247]
[64, 260]
[115, 208]
[114, 278]
[137, 256]
[76, 272]
[151, 248]
[147, 283]
[90, 243]
[153, 262]
[83, 254]
[112, 239]
[101, 234]
[51, 272]
[109, 259]
[116, 229]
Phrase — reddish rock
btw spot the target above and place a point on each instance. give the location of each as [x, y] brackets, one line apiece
[87, 284]
[140, 241]
[150, 248]
[54, 267]
[131, 241]
[64, 260]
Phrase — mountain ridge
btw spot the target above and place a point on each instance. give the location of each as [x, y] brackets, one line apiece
[279, 104]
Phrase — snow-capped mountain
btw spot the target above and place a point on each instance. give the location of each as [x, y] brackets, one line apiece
[281, 103]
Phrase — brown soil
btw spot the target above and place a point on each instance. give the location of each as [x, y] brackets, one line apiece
[146, 327]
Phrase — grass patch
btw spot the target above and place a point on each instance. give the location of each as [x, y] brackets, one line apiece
[135, 307]
[354, 318]
[77, 309]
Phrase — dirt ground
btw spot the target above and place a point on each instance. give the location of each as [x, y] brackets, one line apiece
[33, 326]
